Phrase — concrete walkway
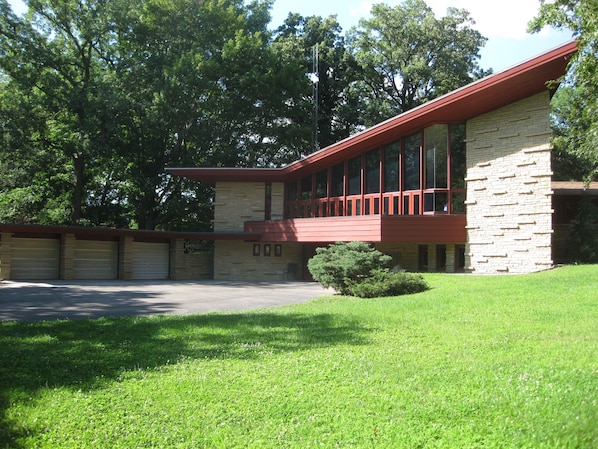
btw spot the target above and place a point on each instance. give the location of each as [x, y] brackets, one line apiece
[36, 301]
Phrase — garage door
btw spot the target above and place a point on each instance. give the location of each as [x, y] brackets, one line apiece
[35, 259]
[150, 260]
[96, 259]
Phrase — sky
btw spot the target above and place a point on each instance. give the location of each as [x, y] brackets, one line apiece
[503, 22]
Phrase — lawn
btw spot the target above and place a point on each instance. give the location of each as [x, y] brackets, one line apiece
[475, 362]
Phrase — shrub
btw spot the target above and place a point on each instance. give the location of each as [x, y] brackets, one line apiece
[383, 282]
[342, 264]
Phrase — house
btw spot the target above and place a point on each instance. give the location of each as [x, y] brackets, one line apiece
[462, 183]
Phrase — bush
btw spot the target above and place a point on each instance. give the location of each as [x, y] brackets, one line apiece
[388, 283]
[342, 264]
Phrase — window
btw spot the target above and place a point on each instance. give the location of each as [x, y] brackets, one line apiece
[306, 188]
[337, 182]
[292, 191]
[322, 184]
[372, 175]
[268, 202]
[458, 161]
[412, 162]
[355, 176]
[391, 167]
[436, 150]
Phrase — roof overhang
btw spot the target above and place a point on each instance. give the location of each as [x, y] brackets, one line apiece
[487, 94]
[574, 188]
[114, 233]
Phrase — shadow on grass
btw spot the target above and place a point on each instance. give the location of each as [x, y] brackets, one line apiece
[87, 354]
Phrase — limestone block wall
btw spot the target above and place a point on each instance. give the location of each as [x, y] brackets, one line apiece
[509, 206]
[235, 260]
[238, 202]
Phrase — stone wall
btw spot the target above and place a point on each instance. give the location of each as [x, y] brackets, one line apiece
[509, 210]
[236, 261]
[238, 202]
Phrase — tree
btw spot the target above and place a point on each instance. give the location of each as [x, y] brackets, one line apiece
[57, 52]
[408, 56]
[577, 103]
[314, 46]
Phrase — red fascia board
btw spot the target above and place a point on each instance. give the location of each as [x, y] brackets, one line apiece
[138, 234]
[211, 175]
[477, 98]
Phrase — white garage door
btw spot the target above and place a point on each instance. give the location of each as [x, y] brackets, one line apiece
[150, 260]
[35, 259]
[96, 259]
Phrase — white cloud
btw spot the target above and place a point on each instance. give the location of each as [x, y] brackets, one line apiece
[504, 19]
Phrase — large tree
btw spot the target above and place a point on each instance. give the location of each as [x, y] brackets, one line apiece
[314, 46]
[576, 102]
[57, 53]
[408, 57]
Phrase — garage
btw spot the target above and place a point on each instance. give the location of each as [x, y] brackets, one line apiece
[96, 259]
[150, 261]
[35, 258]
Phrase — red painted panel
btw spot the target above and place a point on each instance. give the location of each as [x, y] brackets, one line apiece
[424, 228]
[370, 228]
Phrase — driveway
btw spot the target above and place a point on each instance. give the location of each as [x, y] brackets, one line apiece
[36, 301]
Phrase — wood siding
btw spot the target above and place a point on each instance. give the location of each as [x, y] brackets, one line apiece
[370, 228]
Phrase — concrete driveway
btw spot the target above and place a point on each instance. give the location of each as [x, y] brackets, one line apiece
[36, 301]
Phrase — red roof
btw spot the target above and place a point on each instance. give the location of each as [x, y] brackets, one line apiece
[482, 96]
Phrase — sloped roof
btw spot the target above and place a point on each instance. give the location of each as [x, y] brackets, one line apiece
[487, 94]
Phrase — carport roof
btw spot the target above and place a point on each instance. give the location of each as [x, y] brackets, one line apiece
[140, 234]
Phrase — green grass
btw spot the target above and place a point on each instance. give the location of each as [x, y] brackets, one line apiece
[476, 362]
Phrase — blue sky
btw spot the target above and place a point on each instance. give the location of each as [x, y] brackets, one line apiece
[502, 22]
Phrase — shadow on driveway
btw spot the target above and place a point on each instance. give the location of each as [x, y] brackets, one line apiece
[37, 301]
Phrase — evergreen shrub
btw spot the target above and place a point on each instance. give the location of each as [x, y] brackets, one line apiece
[357, 269]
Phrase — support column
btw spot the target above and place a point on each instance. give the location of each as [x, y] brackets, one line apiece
[67, 256]
[5, 255]
[125, 258]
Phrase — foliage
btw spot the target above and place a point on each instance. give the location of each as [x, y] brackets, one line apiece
[519, 352]
[341, 264]
[577, 107]
[408, 56]
[295, 42]
[384, 282]
[98, 98]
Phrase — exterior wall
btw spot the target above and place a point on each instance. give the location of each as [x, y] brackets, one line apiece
[188, 266]
[406, 256]
[238, 202]
[235, 261]
[5, 255]
[508, 180]
[277, 201]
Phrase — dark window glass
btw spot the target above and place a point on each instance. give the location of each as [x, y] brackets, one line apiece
[435, 202]
[372, 176]
[355, 176]
[322, 184]
[292, 191]
[306, 188]
[268, 202]
[391, 167]
[338, 180]
[436, 150]
[458, 161]
[412, 162]
[458, 203]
